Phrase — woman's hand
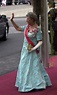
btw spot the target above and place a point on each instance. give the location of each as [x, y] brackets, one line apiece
[36, 46]
[32, 49]
[12, 17]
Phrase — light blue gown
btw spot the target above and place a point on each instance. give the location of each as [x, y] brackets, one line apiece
[31, 73]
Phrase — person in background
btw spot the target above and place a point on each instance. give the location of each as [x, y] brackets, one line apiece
[3, 2]
[50, 8]
[31, 73]
[52, 15]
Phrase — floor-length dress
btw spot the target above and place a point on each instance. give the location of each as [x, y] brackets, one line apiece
[31, 73]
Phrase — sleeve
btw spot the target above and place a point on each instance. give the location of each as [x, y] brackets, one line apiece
[23, 27]
[39, 35]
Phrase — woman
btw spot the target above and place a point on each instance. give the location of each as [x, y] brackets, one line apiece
[31, 73]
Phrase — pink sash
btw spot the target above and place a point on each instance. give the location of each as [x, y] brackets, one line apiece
[28, 39]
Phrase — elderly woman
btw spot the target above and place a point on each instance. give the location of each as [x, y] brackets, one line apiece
[31, 73]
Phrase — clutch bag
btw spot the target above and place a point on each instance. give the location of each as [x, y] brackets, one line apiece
[29, 47]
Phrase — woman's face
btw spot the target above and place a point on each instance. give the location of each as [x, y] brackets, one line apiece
[29, 20]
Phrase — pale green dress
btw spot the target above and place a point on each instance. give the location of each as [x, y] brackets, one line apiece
[31, 73]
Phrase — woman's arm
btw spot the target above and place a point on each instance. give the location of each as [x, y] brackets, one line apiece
[36, 46]
[18, 28]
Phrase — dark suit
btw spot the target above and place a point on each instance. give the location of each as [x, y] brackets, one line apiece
[52, 14]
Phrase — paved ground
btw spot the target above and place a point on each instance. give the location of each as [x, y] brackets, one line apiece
[18, 10]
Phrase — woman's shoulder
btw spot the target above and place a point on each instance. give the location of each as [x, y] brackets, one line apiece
[39, 29]
[23, 27]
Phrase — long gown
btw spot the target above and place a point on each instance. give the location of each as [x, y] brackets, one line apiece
[31, 73]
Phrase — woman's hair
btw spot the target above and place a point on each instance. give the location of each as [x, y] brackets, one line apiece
[32, 15]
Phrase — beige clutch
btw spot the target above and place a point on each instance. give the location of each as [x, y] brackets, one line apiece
[29, 47]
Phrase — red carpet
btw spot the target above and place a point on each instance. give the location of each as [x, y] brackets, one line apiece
[7, 83]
